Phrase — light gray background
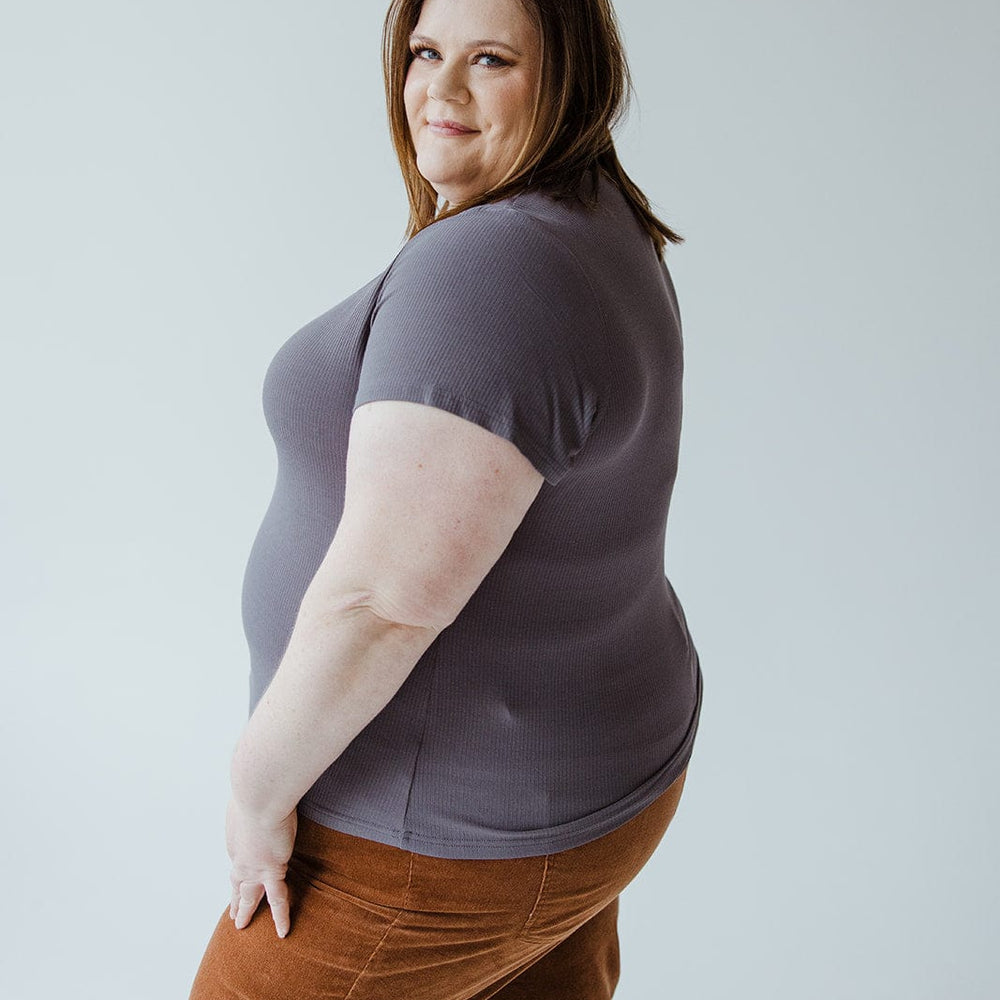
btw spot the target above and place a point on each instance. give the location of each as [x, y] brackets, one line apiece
[187, 184]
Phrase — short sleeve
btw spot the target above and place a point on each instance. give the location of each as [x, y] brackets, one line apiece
[487, 315]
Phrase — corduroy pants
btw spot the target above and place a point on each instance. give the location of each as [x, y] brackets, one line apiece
[375, 922]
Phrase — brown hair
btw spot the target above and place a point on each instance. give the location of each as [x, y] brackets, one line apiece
[583, 93]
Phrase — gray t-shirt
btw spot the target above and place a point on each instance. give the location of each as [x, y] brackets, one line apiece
[565, 697]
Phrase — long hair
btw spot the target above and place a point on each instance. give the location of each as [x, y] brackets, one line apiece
[583, 94]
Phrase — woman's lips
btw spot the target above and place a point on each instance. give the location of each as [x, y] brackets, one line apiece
[441, 126]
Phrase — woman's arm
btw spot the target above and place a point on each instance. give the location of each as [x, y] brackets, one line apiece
[431, 502]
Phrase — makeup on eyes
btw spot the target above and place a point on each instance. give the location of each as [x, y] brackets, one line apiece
[502, 60]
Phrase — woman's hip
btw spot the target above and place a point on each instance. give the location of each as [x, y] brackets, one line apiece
[374, 921]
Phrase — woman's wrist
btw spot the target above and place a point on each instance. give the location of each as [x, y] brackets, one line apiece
[266, 806]
[262, 816]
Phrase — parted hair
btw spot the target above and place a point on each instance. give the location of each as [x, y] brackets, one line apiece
[583, 94]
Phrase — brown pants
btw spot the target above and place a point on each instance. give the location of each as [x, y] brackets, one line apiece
[374, 922]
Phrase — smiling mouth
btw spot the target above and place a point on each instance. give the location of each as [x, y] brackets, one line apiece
[442, 126]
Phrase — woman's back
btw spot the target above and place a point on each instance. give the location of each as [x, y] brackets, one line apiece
[565, 695]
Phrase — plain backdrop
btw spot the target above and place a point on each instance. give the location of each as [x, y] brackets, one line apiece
[185, 185]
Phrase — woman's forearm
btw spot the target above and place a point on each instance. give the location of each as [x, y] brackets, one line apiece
[342, 665]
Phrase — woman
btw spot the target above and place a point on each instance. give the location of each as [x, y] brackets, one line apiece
[473, 691]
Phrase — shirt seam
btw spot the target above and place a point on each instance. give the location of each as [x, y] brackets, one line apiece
[554, 237]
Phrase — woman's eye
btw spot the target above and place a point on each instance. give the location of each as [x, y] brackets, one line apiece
[493, 60]
[497, 60]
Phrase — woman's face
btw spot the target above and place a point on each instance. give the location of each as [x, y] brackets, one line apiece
[470, 92]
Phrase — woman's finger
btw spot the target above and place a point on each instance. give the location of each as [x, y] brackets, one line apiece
[251, 893]
[234, 900]
[277, 899]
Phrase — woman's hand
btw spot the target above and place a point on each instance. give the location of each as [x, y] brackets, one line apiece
[259, 851]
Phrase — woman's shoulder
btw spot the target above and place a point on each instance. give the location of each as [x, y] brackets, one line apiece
[520, 236]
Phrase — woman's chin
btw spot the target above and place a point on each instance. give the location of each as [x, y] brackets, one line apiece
[450, 184]
[449, 191]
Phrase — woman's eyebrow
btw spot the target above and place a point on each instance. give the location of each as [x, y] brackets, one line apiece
[479, 43]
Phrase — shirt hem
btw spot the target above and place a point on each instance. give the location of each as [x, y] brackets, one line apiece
[516, 844]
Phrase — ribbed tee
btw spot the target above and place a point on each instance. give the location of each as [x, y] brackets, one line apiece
[566, 694]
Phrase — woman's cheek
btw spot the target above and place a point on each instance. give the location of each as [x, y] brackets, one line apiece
[413, 88]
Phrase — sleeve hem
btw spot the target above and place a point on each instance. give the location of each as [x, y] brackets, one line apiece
[552, 469]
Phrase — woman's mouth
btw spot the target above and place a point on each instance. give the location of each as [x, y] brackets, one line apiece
[443, 126]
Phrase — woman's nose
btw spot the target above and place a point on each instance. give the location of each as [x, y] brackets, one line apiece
[448, 83]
